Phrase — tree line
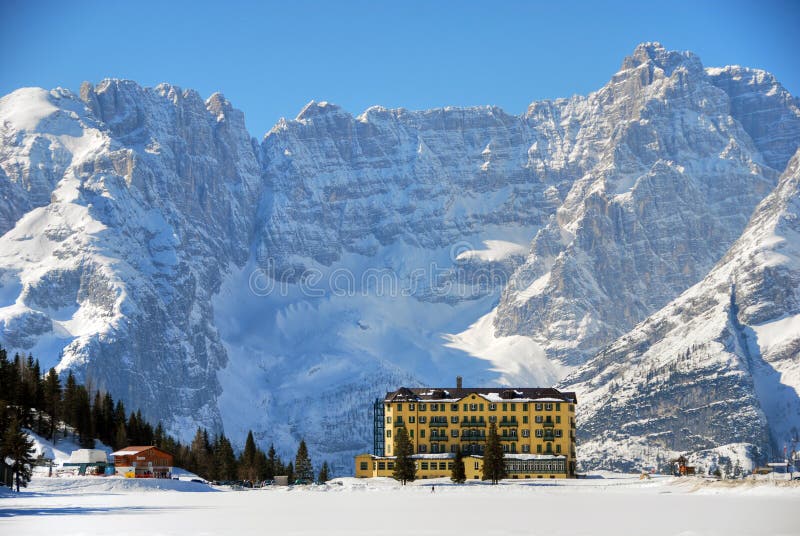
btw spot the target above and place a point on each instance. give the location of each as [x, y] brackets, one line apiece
[38, 401]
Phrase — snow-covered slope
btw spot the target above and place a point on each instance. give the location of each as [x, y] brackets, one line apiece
[149, 244]
[719, 365]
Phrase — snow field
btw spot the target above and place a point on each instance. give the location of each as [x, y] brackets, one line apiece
[615, 504]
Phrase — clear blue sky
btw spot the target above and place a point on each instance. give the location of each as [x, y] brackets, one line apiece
[270, 58]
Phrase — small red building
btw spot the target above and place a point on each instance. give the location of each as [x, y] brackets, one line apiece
[143, 462]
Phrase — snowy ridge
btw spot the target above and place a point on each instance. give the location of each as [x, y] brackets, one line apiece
[149, 244]
[718, 365]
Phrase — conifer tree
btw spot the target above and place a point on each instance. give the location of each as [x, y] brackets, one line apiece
[494, 468]
[70, 402]
[121, 437]
[247, 461]
[19, 448]
[302, 464]
[224, 458]
[405, 469]
[459, 473]
[323, 474]
[52, 401]
[272, 464]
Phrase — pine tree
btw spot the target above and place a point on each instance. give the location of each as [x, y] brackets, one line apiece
[70, 402]
[121, 437]
[52, 401]
[272, 464]
[302, 464]
[459, 473]
[405, 469]
[494, 468]
[84, 418]
[224, 458]
[19, 448]
[323, 474]
[247, 461]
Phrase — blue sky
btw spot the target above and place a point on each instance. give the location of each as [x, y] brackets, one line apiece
[270, 58]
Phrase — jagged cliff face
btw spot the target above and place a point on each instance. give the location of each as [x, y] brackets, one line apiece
[671, 181]
[717, 366]
[210, 279]
[129, 204]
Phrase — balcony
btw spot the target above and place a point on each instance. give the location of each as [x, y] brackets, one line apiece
[508, 423]
[465, 424]
[438, 438]
[548, 424]
[473, 438]
[398, 424]
[438, 424]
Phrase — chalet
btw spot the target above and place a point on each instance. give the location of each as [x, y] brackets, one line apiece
[143, 462]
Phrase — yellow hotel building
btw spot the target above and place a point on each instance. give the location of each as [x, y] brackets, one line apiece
[536, 427]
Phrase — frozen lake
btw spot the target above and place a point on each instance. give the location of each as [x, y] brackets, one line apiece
[618, 505]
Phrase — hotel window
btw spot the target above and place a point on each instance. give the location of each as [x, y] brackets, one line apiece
[435, 447]
[422, 448]
[423, 420]
[526, 433]
[453, 407]
[548, 407]
[434, 407]
[524, 407]
[411, 419]
[422, 434]
[454, 433]
[558, 448]
[399, 407]
[442, 466]
[411, 407]
[493, 418]
[466, 407]
[388, 420]
[492, 407]
[480, 406]
[411, 434]
[558, 419]
[454, 419]
[505, 407]
[558, 406]
[539, 419]
[513, 447]
[538, 449]
[524, 419]
[425, 466]
[473, 407]
[450, 465]
[513, 407]
[453, 448]
[388, 433]
[539, 433]
[572, 407]
[526, 448]
[538, 407]
[381, 465]
[505, 448]
[476, 467]
[422, 407]
[558, 433]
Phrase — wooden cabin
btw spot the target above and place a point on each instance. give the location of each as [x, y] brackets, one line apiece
[143, 462]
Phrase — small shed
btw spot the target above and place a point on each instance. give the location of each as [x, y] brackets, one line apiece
[143, 462]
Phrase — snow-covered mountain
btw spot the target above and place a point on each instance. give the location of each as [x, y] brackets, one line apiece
[719, 366]
[152, 246]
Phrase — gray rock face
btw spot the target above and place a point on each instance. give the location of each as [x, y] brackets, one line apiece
[717, 366]
[672, 181]
[134, 220]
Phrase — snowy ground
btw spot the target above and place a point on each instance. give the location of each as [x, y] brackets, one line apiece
[617, 505]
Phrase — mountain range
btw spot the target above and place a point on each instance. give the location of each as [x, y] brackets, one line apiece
[638, 245]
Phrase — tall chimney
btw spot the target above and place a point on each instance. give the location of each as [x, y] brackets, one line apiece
[458, 382]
